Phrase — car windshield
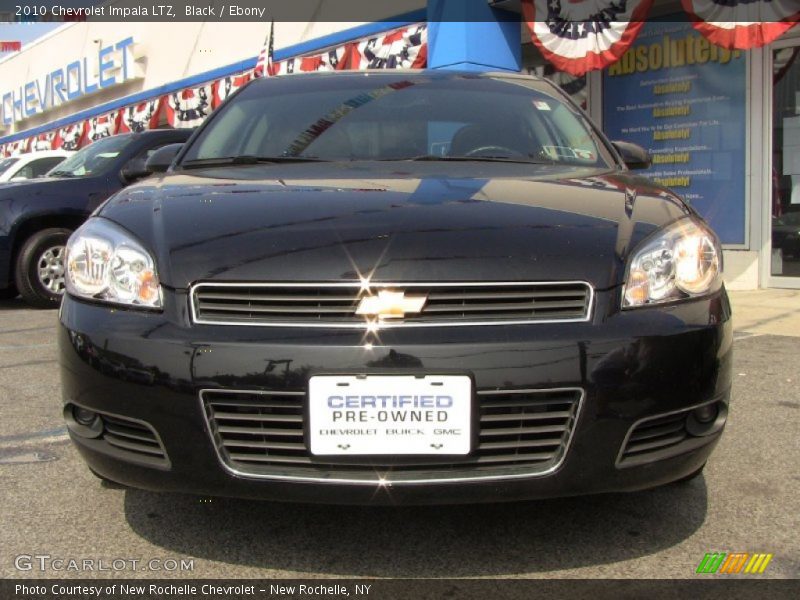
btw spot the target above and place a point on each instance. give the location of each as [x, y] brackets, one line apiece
[398, 117]
[6, 163]
[91, 160]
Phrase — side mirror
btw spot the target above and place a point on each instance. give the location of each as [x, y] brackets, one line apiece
[633, 155]
[18, 179]
[133, 170]
[162, 158]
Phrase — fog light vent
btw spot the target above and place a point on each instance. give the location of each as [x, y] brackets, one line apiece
[664, 436]
[132, 436]
[122, 437]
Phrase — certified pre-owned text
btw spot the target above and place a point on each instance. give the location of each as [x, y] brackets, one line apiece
[393, 416]
[390, 401]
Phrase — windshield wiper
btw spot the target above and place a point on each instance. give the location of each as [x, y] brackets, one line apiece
[435, 158]
[62, 174]
[246, 159]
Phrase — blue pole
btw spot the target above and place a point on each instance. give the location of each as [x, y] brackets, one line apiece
[471, 35]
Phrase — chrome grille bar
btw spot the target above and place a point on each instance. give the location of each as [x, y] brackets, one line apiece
[133, 437]
[261, 434]
[656, 433]
[335, 304]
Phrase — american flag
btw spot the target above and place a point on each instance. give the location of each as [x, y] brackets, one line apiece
[264, 64]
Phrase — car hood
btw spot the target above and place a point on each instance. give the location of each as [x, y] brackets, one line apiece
[396, 221]
[42, 196]
[28, 183]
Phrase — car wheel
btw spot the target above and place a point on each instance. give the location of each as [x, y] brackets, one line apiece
[692, 476]
[40, 268]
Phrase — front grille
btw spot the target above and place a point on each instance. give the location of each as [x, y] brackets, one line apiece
[133, 439]
[335, 304]
[262, 434]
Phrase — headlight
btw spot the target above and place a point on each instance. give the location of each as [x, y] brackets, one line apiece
[105, 263]
[682, 261]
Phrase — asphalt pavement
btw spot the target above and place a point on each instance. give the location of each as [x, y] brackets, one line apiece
[746, 501]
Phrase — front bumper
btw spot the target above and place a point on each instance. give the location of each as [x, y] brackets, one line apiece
[630, 366]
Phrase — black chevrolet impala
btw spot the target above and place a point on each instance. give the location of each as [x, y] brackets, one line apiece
[394, 287]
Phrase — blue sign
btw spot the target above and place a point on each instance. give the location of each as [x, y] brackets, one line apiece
[113, 64]
[684, 100]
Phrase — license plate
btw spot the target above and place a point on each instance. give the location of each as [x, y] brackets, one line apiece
[390, 414]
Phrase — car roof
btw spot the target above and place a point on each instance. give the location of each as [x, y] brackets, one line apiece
[425, 73]
[263, 84]
[44, 154]
[167, 131]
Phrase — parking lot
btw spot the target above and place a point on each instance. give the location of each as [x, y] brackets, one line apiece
[747, 500]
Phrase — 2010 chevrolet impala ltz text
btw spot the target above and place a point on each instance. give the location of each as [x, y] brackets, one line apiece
[395, 287]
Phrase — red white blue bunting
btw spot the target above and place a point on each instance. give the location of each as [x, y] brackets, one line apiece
[100, 127]
[43, 141]
[139, 117]
[578, 36]
[69, 137]
[304, 64]
[742, 24]
[188, 108]
[334, 59]
[222, 88]
[405, 48]
[16, 148]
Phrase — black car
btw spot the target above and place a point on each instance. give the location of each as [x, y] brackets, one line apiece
[391, 287]
[37, 216]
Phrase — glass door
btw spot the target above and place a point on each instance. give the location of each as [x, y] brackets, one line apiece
[785, 201]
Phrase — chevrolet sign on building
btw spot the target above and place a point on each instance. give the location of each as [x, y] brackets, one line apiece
[113, 64]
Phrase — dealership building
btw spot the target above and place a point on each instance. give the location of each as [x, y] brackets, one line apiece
[723, 126]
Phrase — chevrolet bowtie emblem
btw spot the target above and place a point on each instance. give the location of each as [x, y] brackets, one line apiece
[390, 305]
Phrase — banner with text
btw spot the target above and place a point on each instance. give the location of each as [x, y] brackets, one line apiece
[684, 100]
